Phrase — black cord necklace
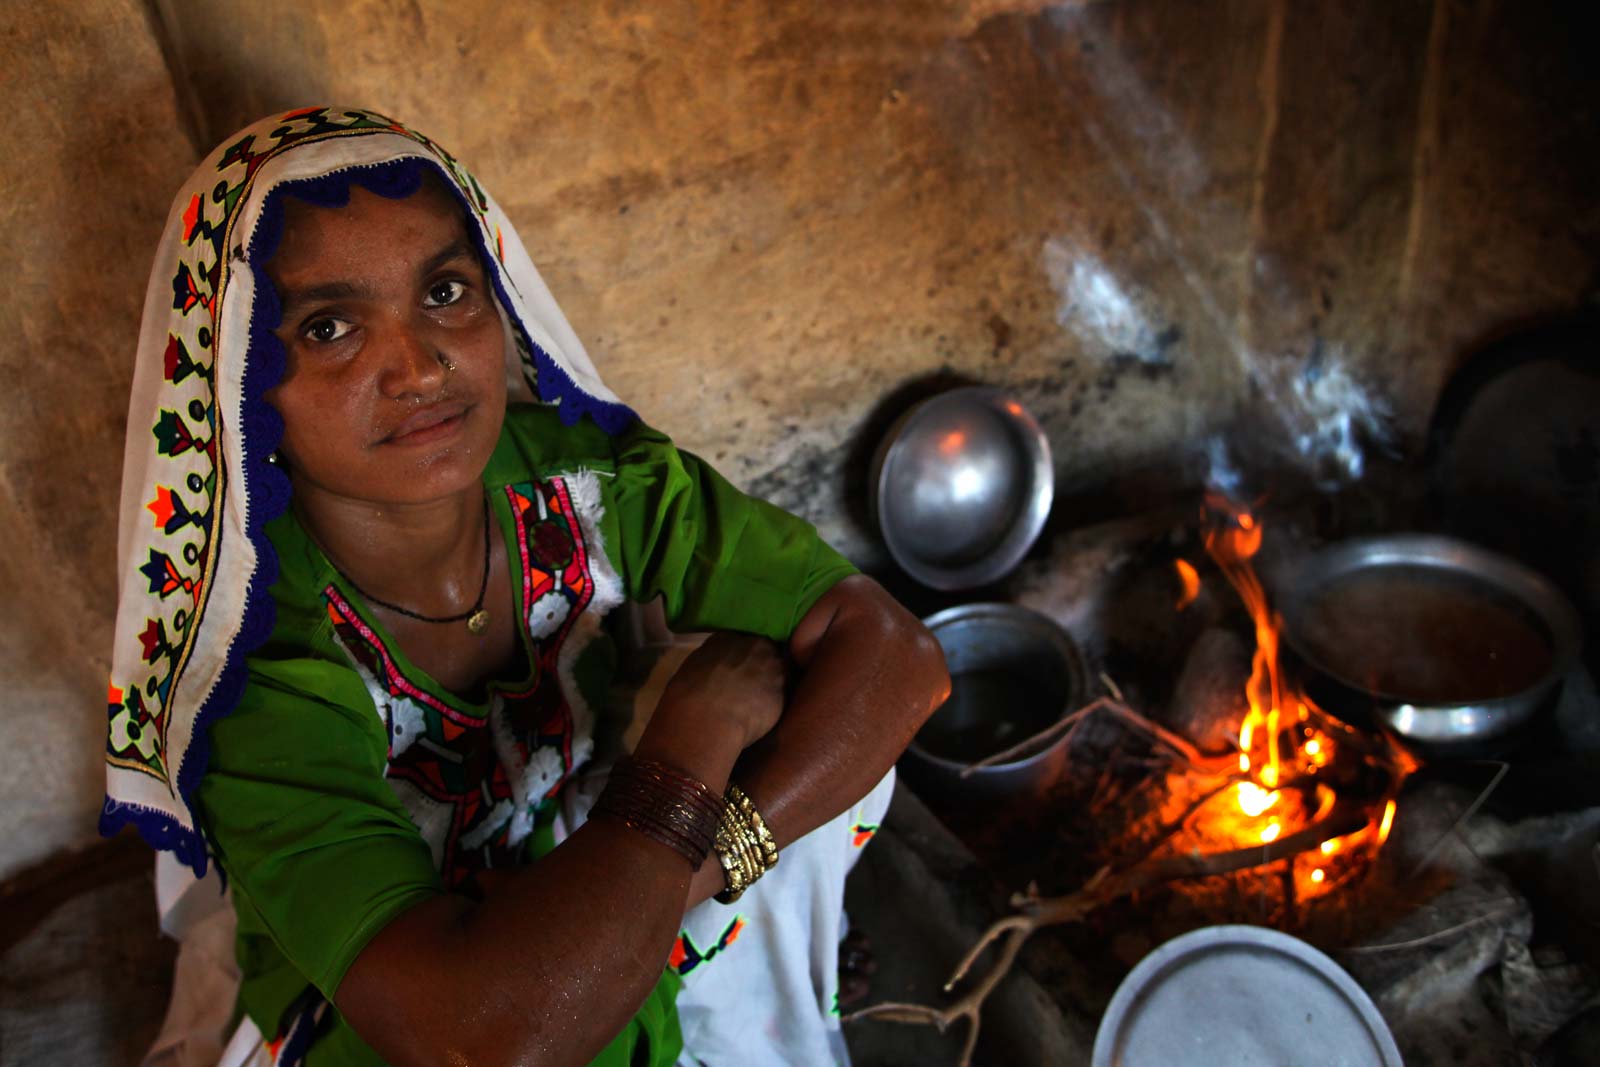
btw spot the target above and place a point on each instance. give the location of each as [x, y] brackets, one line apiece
[477, 616]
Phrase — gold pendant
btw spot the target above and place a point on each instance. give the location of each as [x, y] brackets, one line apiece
[478, 621]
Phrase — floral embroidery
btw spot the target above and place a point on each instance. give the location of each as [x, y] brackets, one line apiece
[547, 614]
[472, 783]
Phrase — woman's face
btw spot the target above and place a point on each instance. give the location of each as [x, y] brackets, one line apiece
[394, 390]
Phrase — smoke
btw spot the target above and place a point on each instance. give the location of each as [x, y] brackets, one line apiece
[1222, 476]
[1332, 417]
[1314, 412]
[1097, 308]
[1308, 407]
[1311, 409]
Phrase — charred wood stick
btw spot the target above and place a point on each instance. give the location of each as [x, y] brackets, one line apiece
[1127, 715]
[1345, 817]
[1133, 857]
[1038, 740]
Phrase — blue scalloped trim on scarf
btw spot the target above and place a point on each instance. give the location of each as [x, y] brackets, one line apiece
[266, 487]
[552, 384]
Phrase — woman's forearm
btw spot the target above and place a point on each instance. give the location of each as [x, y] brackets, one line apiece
[557, 958]
[871, 674]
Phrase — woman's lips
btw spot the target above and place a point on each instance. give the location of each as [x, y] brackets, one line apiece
[428, 425]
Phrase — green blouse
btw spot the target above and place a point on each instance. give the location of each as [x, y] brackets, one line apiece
[347, 785]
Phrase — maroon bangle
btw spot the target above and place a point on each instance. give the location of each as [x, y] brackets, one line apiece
[664, 805]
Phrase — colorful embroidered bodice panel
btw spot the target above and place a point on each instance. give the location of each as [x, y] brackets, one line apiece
[474, 778]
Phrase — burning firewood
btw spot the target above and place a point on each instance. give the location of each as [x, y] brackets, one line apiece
[1113, 705]
[1299, 783]
[1107, 885]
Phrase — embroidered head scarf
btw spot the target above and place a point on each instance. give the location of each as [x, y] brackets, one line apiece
[197, 486]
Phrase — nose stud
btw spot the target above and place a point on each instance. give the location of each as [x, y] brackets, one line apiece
[444, 361]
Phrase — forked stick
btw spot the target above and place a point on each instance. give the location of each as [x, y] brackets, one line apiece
[1345, 817]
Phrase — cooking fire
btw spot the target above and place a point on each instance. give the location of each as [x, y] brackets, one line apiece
[1298, 791]
[1295, 762]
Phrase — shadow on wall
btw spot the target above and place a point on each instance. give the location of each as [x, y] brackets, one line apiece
[223, 83]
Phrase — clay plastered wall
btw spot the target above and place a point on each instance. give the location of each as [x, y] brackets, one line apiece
[90, 165]
[763, 218]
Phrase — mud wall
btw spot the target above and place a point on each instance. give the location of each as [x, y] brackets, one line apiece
[1146, 217]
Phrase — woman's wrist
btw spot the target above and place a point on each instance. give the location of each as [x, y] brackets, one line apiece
[669, 807]
[693, 741]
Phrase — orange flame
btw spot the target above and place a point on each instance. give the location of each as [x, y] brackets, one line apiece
[1388, 822]
[1190, 579]
[1253, 800]
[1285, 740]
[1233, 544]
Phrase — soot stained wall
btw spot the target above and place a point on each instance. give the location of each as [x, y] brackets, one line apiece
[1147, 217]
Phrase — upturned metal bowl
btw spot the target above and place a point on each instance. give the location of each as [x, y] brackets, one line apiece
[961, 487]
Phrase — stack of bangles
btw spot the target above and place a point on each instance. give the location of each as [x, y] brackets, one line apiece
[681, 813]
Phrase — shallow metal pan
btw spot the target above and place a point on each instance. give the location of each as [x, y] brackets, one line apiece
[1446, 643]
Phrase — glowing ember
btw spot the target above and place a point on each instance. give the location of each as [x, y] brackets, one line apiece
[1388, 822]
[1253, 800]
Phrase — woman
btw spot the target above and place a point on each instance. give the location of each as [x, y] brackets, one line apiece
[376, 502]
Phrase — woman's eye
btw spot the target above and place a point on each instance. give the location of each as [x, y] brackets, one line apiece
[443, 294]
[326, 330]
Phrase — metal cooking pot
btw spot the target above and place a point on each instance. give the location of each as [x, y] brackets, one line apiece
[1447, 644]
[1013, 673]
[961, 486]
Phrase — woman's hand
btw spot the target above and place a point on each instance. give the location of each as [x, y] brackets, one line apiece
[604, 906]
[733, 680]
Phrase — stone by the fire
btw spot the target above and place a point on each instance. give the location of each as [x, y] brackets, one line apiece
[1208, 700]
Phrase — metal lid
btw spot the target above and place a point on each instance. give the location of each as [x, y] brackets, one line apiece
[1241, 996]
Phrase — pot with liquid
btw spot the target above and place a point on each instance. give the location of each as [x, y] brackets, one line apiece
[1447, 644]
[1013, 674]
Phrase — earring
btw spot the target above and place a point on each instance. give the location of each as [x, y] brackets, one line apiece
[444, 361]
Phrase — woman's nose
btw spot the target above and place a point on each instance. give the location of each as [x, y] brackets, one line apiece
[411, 365]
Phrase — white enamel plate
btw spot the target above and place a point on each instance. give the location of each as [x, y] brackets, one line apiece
[1241, 996]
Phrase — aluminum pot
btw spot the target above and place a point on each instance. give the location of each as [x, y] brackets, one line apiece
[1449, 645]
[1013, 673]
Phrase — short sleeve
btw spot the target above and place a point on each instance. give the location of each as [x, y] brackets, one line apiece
[721, 560]
[303, 820]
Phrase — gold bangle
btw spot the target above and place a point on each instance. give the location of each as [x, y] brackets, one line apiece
[757, 826]
[745, 847]
[734, 871]
[732, 854]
